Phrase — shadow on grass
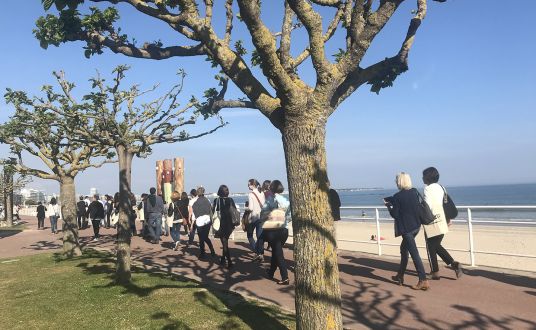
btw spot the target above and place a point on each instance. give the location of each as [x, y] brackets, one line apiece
[251, 313]
[171, 323]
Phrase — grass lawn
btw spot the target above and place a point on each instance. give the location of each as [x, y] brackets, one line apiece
[46, 292]
[19, 227]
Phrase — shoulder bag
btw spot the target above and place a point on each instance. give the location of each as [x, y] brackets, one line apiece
[235, 214]
[216, 216]
[275, 220]
[426, 216]
[451, 212]
[177, 209]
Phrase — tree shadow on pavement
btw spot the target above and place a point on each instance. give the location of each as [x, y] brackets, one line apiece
[43, 246]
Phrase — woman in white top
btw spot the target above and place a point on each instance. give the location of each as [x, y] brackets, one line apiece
[254, 206]
[53, 213]
[433, 195]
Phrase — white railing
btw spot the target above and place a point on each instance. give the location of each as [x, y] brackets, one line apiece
[469, 222]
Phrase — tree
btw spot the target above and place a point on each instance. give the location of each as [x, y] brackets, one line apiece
[113, 118]
[37, 130]
[8, 184]
[299, 111]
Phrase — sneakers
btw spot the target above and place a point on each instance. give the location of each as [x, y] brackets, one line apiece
[258, 258]
[421, 285]
[177, 244]
[457, 269]
[95, 239]
[435, 276]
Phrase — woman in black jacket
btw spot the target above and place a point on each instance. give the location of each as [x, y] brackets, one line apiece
[404, 207]
[224, 204]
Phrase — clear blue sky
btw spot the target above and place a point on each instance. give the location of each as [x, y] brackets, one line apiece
[466, 105]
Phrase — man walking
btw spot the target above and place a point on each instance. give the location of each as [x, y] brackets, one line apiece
[81, 213]
[95, 211]
[154, 210]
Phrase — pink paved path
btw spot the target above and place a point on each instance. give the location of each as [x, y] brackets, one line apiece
[481, 299]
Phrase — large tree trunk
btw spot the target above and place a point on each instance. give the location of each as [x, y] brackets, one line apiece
[71, 244]
[8, 193]
[318, 296]
[125, 212]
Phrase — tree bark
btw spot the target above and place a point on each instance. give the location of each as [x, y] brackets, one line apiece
[8, 195]
[318, 296]
[123, 274]
[71, 244]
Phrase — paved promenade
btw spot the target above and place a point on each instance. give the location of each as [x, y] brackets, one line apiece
[481, 299]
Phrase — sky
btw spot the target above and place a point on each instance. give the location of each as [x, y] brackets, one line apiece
[466, 105]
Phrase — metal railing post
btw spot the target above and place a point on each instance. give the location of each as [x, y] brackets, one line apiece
[471, 239]
[378, 232]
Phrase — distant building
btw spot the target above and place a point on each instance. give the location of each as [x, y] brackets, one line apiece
[93, 191]
[32, 195]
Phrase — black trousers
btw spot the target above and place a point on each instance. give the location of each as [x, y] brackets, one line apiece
[435, 248]
[81, 219]
[202, 233]
[277, 238]
[40, 222]
[96, 226]
[108, 216]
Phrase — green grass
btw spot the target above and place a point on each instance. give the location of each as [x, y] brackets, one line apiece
[19, 227]
[47, 292]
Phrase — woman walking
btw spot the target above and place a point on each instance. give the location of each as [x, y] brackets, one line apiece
[276, 237]
[202, 212]
[256, 200]
[180, 213]
[53, 212]
[224, 204]
[404, 207]
[433, 195]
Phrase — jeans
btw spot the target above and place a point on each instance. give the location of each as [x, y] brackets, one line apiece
[176, 232]
[155, 225]
[53, 223]
[202, 233]
[277, 238]
[257, 247]
[40, 222]
[191, 234]
[435, 249]
[409, 247]
[96, 227]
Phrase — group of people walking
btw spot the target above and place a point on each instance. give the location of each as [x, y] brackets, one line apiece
[266, 215]
[406, 207]
[196, 213]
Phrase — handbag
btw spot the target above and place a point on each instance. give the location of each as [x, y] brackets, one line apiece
[451, 212]
[216, 216]
[245, 219]
[275, 219]
[426, 216]
[235, 215]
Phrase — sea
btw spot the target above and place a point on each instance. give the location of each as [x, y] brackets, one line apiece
[500, 196]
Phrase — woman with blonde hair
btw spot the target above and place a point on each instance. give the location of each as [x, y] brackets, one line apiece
[404, 207]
